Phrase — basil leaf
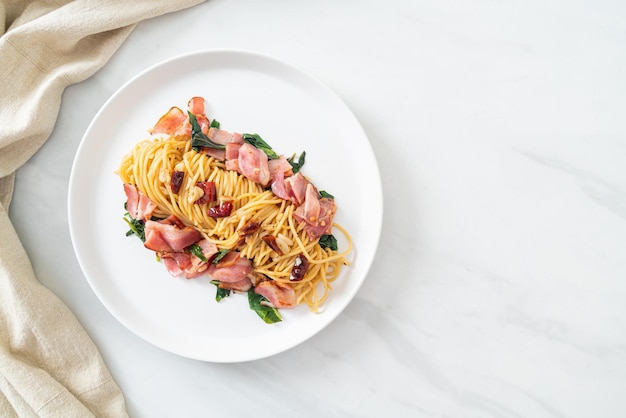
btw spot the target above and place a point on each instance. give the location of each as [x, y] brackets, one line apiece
[328, 241]
[220, 254]
[196, 250]
[268, 314]
[296, 166]
[324, 193]
[214, 124]
[221, 293]
[136, 227]
[198, 138]
[258, 142]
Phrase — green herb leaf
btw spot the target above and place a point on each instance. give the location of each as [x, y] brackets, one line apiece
[221, 293]
[324, 193]
[198, 138]
[214, 124]
[196, 250]
[256, 141]
[220, 254]
[136, 227]
[296, 166]
[268, 314]
[328, 241]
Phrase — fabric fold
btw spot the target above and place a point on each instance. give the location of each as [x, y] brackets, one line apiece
[49, 366]
[48, 363]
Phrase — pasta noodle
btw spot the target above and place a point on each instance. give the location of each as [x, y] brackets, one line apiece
[149, 166]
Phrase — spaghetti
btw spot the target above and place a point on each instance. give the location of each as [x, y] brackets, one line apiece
[149, 166]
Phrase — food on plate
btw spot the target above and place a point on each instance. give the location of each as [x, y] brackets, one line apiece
[225, 206]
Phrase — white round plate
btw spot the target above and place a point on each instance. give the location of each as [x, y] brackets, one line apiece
[246, 92]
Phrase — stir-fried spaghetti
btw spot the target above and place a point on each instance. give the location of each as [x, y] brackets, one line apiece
[149, 167]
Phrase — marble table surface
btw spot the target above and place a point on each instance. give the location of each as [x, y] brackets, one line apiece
[499, 284]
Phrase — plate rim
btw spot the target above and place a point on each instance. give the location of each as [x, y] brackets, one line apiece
[71, 199]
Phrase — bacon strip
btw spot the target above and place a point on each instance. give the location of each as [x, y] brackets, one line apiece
[170, 123]
[176, 121]
[138, 205]
[317, 213]
[253, 164]
[218, 154]
[230, 269]
[196, 105]
[166, 236]
[220, 136]
[295, 187]
[278, 166]
[279, 295]
[232, 151]
[176, 262]
[231, 154]
[185, 263]
[241, 286]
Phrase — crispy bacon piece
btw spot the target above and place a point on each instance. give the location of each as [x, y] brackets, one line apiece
[220, 136]
[232, 151]
[197, 268]
[253, 164]
[138, 205]
[292, 188]
[279, 295]
[328, 208]
[256, 277]
[297, 186]
[218, 154]
[185, 263]
[171, 123]
[208, 248]
[232, 165]
[167, 235]
[278, 186]
[196, 105]
[176, 121]
[310, 209]
[230, 269]
[173, 220]
[231, 154]
[241, 286]
[279, 165]
[176, 262]
[317, 213]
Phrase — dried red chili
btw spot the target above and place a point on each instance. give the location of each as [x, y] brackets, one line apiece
[221, 211]
[300, 267]
[177, 181]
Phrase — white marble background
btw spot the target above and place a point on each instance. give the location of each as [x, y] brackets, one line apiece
[499, 287]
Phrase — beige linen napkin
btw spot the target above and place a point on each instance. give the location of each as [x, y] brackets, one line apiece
[48, 364]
